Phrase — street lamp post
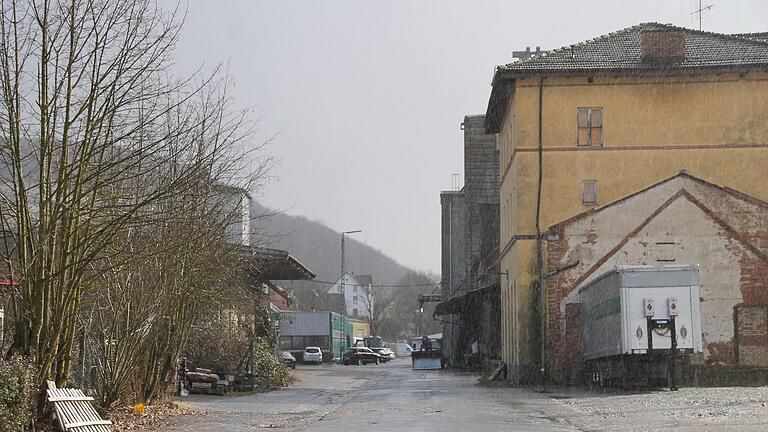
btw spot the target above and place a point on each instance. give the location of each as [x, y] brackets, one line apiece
[343, 293]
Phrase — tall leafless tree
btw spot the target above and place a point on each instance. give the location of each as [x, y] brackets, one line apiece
[97, 142]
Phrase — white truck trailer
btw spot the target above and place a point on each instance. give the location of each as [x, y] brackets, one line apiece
[638, 322]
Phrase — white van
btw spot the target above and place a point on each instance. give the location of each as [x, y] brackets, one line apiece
[401, 348]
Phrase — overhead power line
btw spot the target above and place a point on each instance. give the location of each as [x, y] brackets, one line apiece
[377, 286]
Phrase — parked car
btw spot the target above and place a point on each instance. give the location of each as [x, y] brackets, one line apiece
[288, 359]
[402, 349]
[360, 356]
[312, 354]
[386, 354]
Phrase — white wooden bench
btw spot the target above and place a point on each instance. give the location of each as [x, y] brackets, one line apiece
[74, 410]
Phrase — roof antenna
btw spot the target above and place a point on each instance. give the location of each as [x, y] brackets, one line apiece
[700, 11]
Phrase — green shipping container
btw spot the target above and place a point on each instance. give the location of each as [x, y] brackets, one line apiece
[339, 337]
[328, 330]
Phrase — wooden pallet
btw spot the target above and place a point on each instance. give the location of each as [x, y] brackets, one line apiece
[74, 410]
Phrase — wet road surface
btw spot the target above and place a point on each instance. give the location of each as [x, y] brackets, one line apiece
[388, 397]
[392, 397]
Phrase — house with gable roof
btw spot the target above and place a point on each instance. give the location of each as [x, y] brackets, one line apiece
[598, 121]
[356, 299]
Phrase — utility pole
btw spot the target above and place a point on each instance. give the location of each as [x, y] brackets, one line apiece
[371, 323]
[343, 277]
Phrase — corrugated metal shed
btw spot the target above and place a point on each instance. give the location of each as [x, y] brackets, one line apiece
[304, 324]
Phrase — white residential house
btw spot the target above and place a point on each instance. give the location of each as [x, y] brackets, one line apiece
[356, 289]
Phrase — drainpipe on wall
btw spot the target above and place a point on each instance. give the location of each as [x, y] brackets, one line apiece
[539, 242]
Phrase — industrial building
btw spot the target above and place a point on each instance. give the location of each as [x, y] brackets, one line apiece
[326, 330]
[470, 225]
[592, 137]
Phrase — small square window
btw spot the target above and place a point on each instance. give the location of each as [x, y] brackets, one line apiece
[590, 124]
[589, 192]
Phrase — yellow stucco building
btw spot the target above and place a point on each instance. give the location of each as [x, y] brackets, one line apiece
[594, 122]
[360, 328]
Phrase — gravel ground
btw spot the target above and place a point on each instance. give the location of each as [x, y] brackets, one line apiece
[722, 408]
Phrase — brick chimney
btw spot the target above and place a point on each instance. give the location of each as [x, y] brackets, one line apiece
[662, 46]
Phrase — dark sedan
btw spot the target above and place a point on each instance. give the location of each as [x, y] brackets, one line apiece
[360, 356]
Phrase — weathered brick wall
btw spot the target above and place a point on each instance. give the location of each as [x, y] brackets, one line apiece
[481, 161]
[663, 46]
[742, 214]
[564, 320]
[754, 280]
[752, 335]
[557, 288]
[690, 222]
[571, 370]
[481, 189]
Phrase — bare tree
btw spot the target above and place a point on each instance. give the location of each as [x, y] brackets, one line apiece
[377, 303]
[97, 142]
[146, 298]
[397, 313]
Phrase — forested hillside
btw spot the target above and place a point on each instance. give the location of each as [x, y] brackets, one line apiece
[319, 248]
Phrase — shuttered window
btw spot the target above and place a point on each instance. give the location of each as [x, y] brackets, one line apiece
[590, 121]
[589, 192]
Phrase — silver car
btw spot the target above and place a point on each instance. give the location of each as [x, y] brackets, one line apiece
[313, 354]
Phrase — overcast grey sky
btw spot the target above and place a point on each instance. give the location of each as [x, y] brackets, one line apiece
[368, 96]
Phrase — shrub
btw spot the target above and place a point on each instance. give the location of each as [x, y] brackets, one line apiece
[16, 386]
[267, 366]
[217, 344]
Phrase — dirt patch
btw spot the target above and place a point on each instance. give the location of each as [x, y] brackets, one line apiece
[126, 419]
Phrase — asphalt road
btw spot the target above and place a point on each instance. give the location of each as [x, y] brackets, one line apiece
[388, 397]
[392, 397]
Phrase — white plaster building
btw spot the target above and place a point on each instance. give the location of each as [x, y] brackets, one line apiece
[356, 289]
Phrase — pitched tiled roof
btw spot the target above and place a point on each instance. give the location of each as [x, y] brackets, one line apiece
[620, 52]
[763, 36]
